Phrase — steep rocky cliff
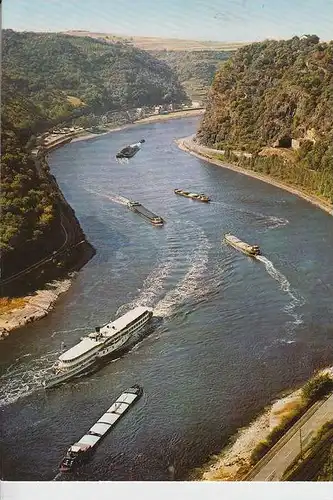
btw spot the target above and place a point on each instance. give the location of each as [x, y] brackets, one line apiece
[277, 94]
[41, 239]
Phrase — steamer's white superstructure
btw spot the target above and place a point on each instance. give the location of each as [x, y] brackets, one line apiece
[104, 341]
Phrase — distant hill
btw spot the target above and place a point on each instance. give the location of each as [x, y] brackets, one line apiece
[194, 62]
[195, 69]
[60, 77]
[49, 78]
[270, 93]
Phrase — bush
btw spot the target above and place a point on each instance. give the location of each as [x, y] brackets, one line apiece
[286, 423]
[317, 387]
[259, 451]
[313, 390]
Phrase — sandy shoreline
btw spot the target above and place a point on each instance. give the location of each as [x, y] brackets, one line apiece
[37, 306]
[187, 144]
[234, 461]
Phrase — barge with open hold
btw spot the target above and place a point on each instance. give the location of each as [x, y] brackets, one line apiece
[194, 196]
[136, 207]
[252, 250]
[82, 450]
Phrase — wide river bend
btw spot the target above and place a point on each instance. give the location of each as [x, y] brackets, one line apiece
[231, 332]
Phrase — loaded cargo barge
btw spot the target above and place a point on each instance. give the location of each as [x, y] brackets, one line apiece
[82, 450]
[135, 206]
[193, 196]
[252, 250]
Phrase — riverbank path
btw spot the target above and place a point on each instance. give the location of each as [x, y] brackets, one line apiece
[290, 446]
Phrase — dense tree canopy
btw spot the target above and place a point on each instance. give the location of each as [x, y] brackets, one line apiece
[49, 70]
[272, 90]
[27, 201]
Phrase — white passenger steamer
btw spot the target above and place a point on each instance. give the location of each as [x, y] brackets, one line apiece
[99, 344]
[82, 450]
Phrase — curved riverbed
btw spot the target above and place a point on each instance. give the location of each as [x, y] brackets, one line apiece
[231, 334]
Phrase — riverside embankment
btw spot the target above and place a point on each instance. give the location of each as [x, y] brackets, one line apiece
[209, 154]
[83, 135]
[234, 462]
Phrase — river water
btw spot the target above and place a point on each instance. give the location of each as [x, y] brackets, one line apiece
[231, 333]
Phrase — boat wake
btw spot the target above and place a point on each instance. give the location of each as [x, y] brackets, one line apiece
[151, 288]
[276, 222]
[189, 286]
[192, 285]
[116, 198]
[270, 221]
[273, 222]
[80, 329]
[22, 379]
[296, 299]
[25, 376]
[153, 285]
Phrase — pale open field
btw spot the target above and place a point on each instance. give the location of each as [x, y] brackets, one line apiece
[155, 43]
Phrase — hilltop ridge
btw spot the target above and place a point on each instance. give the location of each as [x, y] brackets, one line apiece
[150, 43]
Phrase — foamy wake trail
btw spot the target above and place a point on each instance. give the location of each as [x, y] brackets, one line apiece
[81, 328]
[192, 285]
[21, 379]
[276, 222]
[296, 299]
[151, 288]
[273, 222]
[116, 198]
[153, 285]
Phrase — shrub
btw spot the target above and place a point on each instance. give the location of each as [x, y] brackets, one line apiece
[317, 387]
[259, 451]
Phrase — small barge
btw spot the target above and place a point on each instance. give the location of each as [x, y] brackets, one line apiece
[251, 250]
[82, 450]
[193, 196]
[136, 207]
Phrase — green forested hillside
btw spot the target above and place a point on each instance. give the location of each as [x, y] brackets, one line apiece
[47, 79]
[277, 90]
[195, 69]
[27, 202]
[49, 70]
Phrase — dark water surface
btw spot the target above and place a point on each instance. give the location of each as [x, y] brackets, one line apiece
[233, 332]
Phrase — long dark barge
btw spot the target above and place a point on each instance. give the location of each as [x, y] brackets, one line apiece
[81, 451]
[146, 214]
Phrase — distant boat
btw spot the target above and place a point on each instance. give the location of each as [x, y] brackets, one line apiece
[129, 151]
[193, 196]
[251, 250]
